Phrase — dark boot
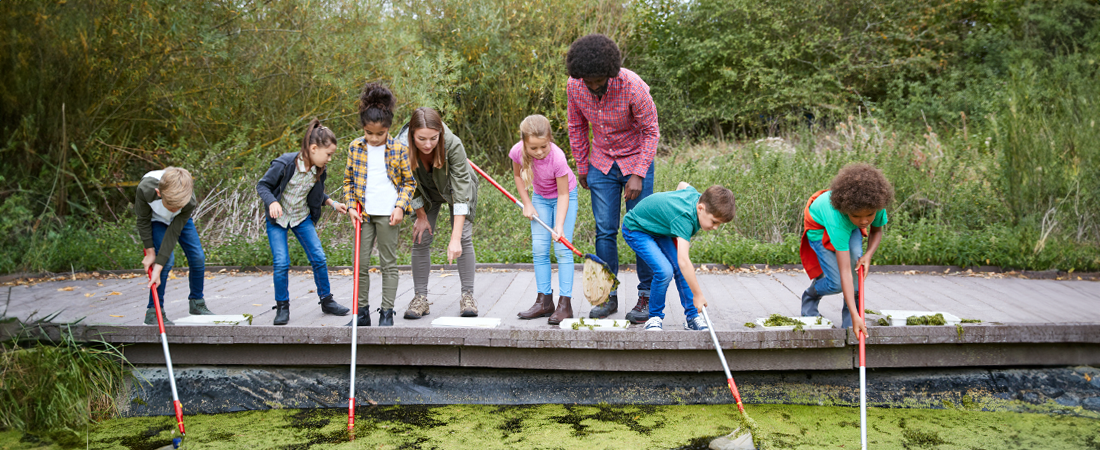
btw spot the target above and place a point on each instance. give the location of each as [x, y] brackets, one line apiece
[329, 306]
[363, 318]
[544, 306]
[810, 299]
[282, 312]
[197, 307]
[640, 313]
[611, 306]
[385, 317]
[564, 311]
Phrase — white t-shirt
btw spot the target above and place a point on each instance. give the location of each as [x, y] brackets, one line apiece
[381, 194]
[160, 213]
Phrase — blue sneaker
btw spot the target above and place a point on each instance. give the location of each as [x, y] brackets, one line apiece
[654, 324]
[697, 324]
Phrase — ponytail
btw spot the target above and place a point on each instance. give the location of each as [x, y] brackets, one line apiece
[319, 135]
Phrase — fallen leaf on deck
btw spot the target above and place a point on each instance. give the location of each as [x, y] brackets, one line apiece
[115, 293]
[99, 284]
[89, 294]
[115, 315]
[257, 304]
[66, 289]
[172, 276]
[445, 275]
[211, 277]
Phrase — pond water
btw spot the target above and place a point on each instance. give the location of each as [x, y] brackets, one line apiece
[565, 426]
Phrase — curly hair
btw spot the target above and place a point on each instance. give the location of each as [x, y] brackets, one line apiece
[376, 103]
[593, 56]
[859, 187]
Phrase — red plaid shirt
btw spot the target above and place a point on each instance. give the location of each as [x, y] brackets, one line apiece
[623, 122]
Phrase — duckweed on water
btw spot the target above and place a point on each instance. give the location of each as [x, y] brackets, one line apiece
[485, 427]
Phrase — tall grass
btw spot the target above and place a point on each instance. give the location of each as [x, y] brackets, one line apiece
[58, 385]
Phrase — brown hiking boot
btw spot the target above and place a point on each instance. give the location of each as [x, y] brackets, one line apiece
[467, 305]
[564, 311]
[544, 306]
[640, 313]
[418, 307]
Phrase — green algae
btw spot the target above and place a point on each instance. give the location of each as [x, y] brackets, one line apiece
[585, 426]
[970, 320]
[926, 320]
[750, 325]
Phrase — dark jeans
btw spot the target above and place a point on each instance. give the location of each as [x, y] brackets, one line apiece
[607, 197]
[659, 253]
[196, 259]
[280, 254]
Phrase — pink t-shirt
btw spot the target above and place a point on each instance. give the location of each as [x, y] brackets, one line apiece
[547, 170]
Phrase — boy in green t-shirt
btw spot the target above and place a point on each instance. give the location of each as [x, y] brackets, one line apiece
[834, 221]
[659, 230]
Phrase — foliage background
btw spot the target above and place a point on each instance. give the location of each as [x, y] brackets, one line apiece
[982, 112]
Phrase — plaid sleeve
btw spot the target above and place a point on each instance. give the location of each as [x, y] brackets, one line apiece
[578, 127]
[400, 173]
[645, 115]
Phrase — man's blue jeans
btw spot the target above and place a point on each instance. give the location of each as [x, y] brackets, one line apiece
[307, 236]
[540, 244]
[607, 196]
[196, 259]
[829, 282]
[659, 253]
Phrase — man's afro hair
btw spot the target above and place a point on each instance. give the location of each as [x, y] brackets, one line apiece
[860, 187]
[593, 56]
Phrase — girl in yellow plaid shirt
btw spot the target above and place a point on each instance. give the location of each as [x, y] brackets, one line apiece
[379, 179]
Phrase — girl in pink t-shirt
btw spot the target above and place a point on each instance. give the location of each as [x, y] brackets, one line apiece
[537, 162]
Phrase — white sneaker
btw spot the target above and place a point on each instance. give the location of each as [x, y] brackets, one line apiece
[698, 323]
[654, 324]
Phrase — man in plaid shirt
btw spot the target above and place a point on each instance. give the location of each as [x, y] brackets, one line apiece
[614, 104]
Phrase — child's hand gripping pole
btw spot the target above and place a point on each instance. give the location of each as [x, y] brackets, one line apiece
[862, 364]
[354, 320]
[167, 356]
[520, 204]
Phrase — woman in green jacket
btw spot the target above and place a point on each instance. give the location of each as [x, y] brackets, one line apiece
[442, 174]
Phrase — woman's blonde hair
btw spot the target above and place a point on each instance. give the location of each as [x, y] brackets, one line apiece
[176, 188]
[535, 125]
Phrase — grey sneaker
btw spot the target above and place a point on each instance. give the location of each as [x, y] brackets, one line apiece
[151, 317]
[418, 307]
[197, 307]
[697, 324]
[468, 305]
[654, 324]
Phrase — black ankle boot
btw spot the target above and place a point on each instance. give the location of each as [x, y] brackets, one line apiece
[608, 308]
[282, 312]
[362, 319]
[329, 306]
[385, 317]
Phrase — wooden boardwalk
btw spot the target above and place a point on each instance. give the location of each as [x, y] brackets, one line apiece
[1025, 322]
[734, 297]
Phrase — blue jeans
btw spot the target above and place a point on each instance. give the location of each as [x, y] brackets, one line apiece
[540, 244]
[307, 236]
[607, 195]
[659, 253]
[196, 259]
[829, 281]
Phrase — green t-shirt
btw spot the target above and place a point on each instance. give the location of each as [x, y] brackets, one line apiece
[670, 213]
[838, 225]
